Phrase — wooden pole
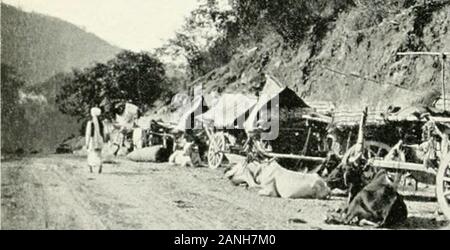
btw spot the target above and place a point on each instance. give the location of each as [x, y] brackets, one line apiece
[422, 53]
[305, 146]
[297, 157]
[348, 140]
[362, 124]
[443, 79]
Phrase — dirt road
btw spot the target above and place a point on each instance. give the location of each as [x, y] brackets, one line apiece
[57, 192]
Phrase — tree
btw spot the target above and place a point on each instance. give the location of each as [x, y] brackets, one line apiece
[212, 34]
[202, 41]
[289, 18]
[138, 78]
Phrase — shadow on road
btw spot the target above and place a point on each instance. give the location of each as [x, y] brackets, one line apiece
[414, 222]
[419, 198]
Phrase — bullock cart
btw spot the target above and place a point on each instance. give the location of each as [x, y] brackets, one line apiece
[159, 133]
[276, 124]
[166, 129]
[223, 124]
[300, 141]
[294, 131]
[413, 141]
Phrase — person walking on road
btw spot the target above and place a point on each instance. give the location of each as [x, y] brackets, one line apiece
[94, 141]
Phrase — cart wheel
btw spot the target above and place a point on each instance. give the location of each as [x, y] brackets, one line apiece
[443, 186]
[215, 150]
[375, 149]
[380, 150]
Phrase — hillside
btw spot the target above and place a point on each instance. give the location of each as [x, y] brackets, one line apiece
[39, 46]
[351, 44]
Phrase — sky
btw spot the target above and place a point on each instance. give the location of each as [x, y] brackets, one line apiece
[129, 24]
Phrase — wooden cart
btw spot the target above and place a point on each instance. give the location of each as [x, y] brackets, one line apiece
[430, 136]
[307, 133]
[301, 130]
[224, 126]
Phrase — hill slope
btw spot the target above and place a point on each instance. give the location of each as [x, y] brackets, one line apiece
[40, 46]
[349, 45]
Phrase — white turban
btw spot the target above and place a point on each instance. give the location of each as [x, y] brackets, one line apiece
[95, 112]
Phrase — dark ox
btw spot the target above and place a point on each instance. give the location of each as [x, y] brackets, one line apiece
[372, 201]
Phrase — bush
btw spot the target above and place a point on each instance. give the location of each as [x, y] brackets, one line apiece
[289, 18]
[372, 12]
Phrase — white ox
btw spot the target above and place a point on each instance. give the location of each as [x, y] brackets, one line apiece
[277, 181]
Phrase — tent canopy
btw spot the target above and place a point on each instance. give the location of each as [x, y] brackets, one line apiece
[229, 111]
[187, 119]
[287, 97]
[279, 96]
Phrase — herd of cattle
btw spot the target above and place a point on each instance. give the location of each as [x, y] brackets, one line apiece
[374, 202]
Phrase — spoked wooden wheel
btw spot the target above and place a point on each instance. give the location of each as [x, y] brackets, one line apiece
[216, 150]
[443, 186]
[374, 149]
[380, 150]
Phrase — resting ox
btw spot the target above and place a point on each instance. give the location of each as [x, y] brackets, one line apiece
[277, 181]
[188, 157]
[372, 200]
[243, 173]
[377, 204]
[372, 196]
